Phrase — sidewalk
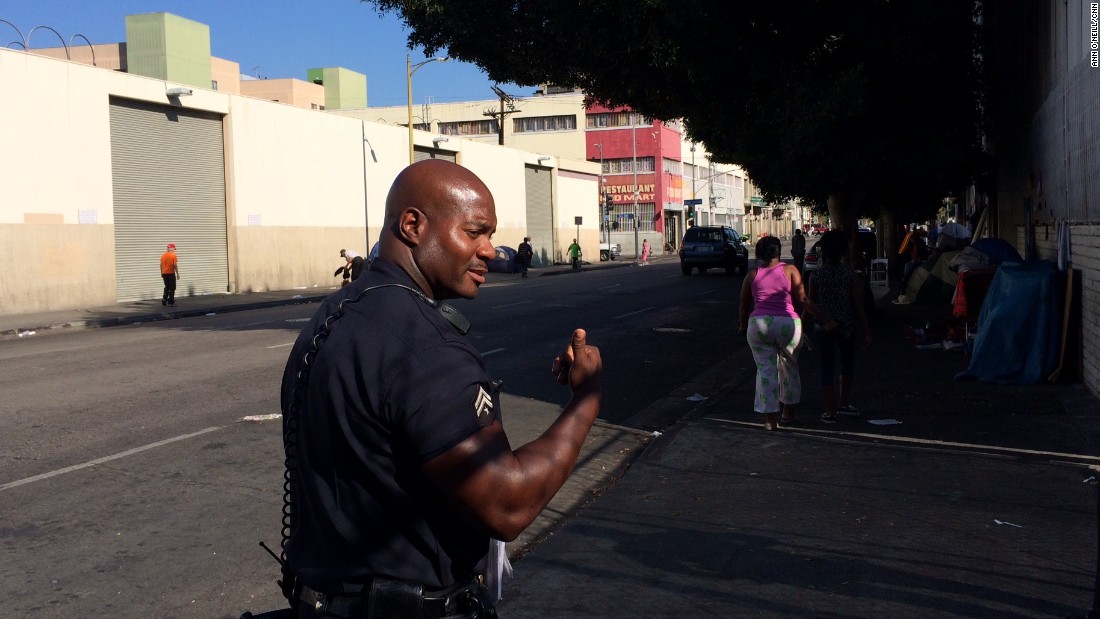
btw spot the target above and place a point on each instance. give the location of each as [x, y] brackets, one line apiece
[981, 503]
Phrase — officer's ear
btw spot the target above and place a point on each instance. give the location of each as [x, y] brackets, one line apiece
[411, 225]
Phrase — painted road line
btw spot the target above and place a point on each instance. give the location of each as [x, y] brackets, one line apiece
[489, 352]
[644, 309]
[122, 454]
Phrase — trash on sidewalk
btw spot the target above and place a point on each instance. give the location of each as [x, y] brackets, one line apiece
[884, 422]
[1007, 523]
[942, 336]
[25, 333]
[297, 296]
[211, 314]
[696, 398]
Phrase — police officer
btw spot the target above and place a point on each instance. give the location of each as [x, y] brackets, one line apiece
[400, 469]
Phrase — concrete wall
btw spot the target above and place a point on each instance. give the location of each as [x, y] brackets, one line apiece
[1046, 145]
[300, 184]
[298, 93]
[577, 195]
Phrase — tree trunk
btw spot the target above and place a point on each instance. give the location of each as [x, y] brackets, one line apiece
[843, 206]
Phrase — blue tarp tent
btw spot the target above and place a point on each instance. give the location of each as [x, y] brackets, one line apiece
[1019, 327]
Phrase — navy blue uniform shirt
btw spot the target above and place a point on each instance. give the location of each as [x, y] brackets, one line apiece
[393, 386]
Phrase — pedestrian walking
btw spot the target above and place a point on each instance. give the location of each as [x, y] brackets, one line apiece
[170, 273]
[798, 250]
[523, 256]
[771, 298]
[574, 252]
[402, 480]
[836, 298]
[645, 252]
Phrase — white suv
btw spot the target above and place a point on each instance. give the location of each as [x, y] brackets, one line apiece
[609, 251]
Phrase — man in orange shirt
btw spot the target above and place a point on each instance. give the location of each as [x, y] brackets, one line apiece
[170, 272]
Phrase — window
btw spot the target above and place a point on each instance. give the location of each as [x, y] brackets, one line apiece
[624, 221]
[673, 167]
[469, 127]
[213, 83]
[545, 123]
[607, 120]
[626, 166]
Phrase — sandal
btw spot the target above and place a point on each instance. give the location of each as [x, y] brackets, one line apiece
[827, 418]
[769, 422]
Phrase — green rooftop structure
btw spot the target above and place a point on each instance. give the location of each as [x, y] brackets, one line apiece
[344, 89]
[168, 47]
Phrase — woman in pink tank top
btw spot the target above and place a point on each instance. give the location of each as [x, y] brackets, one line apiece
[771, 298]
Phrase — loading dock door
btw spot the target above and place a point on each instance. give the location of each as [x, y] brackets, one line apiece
[540, 214]
[168, 177]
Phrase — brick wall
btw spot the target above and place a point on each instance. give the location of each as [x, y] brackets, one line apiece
[1085, 260]
[1085, 253]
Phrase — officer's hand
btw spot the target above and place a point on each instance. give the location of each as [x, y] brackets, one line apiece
[580, 366]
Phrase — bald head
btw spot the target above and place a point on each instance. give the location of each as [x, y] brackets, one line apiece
[440, 218]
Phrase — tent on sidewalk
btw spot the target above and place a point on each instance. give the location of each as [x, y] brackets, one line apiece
[933, 281]
[1019, 327]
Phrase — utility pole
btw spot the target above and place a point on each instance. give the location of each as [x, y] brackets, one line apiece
[506, 100]
[634, 144]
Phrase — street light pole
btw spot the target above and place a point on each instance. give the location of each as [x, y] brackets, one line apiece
[603, 195]
[692, 177]
[411, 68]
[634, 143]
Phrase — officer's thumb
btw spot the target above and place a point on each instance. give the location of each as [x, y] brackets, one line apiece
[580, 339]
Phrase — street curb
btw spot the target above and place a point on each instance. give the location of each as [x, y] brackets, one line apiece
[96, 323]
[562, 269]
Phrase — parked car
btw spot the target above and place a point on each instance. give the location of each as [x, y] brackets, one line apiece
[609, 251]
[812, 259]
[713, 247]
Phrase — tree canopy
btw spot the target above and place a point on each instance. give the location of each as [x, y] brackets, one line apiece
[872, 102]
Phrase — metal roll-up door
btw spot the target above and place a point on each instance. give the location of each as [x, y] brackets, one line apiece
[168, 176]
[540, 214]
[422, 154]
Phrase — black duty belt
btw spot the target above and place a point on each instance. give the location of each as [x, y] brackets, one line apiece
[397, 599]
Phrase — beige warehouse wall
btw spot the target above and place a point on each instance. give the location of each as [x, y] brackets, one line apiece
[54, 266]
[300, 184]
[56, 155]
[297, 194]
[56, 201]
[502, 172]
[577, 195]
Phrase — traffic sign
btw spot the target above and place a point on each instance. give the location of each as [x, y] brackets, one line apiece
[695, 201]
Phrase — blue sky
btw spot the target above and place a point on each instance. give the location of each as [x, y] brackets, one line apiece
[270, 38]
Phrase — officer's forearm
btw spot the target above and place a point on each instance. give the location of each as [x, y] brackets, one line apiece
[547, 461]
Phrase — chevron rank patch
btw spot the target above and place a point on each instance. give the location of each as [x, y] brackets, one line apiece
[483, 407]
